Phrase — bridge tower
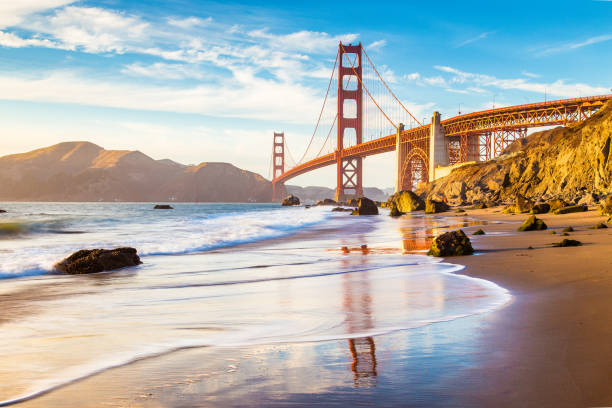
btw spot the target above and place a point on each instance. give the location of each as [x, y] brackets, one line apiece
[349, 171]
[278, 165]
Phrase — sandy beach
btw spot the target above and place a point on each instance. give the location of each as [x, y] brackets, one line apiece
[549, 346]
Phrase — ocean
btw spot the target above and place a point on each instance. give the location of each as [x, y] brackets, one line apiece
[213, 275]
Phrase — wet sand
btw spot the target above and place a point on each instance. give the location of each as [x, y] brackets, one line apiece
[551, 346]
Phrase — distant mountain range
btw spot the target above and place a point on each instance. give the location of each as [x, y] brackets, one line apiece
[83, 171]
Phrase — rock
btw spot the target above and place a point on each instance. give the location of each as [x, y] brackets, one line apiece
[163, 207]
[571, 209]
[533, 224]
[568, 229]
[606, 206]
[459, 210]
[353, 202]
[541, 208]
[556, 204]
[567, 243]
[98, 260]
[407, 201]
[342, 209]
[479, 232]
[553, 232]
[2, 211]
[345, 250]
[452, 243]
[478, 206]
[291, 200]
[327, 201]
[365, 206]
[589, 199]
[565, 234]
[601, 225]
[521, 205]
[432, 207]
[394, 212]
[307, 206]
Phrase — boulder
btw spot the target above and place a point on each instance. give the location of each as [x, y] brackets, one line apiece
[432, 207]
[567, 243]
[327, 201]
[98, 260]
[2, 211]
[601, 225]
[571, 209]
[291, 200]
[556, 204]
[568, 229]
[478, 206]
[521, 205]
[365, 206]
[479, 232]
[341, 209]
[588, 199]
[540, 208]
[407, 201]
[163, 207]
[452, 243]
[394, 212]
[353, 202]
[606, 206]
[533, 224]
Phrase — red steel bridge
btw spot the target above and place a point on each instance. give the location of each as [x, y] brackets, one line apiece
[369, 119]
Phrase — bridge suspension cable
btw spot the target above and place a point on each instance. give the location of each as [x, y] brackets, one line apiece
[368, 92]
[388, 88]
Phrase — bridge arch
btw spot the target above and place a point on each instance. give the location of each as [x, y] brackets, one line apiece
[415, 169]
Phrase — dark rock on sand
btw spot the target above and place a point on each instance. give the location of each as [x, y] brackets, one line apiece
[601, 225]
[567, 243]
[479, 232]
[451, 243]
[571, 209]
[291, 200]
[163, 207]
[98, 260]
[394, 212]
[556, 204]
[365, 206]
[432, 206]
[533, 224]
[606, 206]
[568, 229]
[540, 208]
[407, 201]
[327, 201]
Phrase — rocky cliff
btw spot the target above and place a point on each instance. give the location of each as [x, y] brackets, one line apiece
[565, 162]
[83, 171]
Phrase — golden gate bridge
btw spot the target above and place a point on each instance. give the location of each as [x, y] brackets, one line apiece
[369, 119]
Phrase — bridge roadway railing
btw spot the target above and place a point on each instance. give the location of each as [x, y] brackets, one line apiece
[557, 112]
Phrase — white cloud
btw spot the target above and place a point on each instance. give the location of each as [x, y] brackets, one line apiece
[256, 99]
[160, 70]
[481, 36]
[376, 45]
[91, 29]
[574, 45]
[530, 74]
[304, 41]
[13, 41]
[12, 12]
[189, 22]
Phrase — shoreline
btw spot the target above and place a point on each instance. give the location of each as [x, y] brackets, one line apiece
[503, 362]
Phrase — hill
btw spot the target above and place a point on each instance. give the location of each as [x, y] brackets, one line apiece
[83, 171]
[565, 162]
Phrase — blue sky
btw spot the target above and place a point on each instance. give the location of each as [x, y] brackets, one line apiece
[210, 81]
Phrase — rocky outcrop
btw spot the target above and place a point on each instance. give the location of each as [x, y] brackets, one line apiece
[163, 207]
[606, 206]
[570, 209]
[393, 211]
[452, 243]
[327, 201]
[407, 201]
[433, 207]
[291, 200]
[98, 260]
[533, 224]
[566, 163]
[567, 243]
[365, 206]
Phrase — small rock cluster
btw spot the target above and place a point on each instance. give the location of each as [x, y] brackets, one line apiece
[98, 260]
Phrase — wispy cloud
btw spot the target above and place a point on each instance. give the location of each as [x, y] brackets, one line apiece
[13, 12]
[481, 36]
[376, 45]
[530, 74]
[574, 45]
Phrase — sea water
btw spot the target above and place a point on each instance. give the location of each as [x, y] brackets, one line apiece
[213, 275]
